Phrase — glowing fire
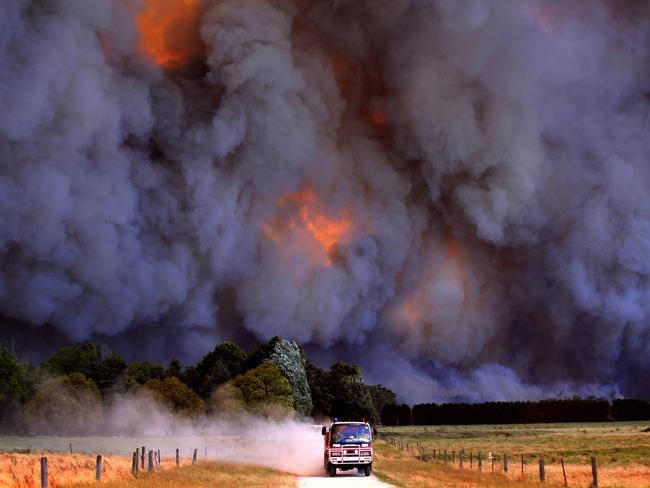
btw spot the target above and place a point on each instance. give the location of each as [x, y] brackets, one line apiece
[302, 211]
[169, 30]
[449, 270]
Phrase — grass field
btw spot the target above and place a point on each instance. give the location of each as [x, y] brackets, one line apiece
[622, 450]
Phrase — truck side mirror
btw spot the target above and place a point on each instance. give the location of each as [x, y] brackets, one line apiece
[374, 431]
[323, 430]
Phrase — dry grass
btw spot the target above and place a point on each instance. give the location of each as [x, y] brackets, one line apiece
[404, 469]
[24, 470]
[205, 475]
[622, 449]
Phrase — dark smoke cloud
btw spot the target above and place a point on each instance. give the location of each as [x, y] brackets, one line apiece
[490, 158]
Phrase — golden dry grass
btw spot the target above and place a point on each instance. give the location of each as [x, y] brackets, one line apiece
[622, 449]
[204, 475]
[24, 470]
[65, 470]
[404, 469]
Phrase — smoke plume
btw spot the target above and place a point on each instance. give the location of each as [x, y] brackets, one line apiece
[452, 193]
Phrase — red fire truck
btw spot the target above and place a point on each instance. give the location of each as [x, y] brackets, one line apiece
[348, 445]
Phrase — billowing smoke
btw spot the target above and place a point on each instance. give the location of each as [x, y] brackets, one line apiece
[452, 192]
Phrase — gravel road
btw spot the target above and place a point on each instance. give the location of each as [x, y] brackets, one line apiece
[342, 480]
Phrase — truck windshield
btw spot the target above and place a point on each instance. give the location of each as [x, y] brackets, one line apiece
[350, 434]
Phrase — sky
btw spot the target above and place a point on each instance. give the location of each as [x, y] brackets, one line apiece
[452, 194]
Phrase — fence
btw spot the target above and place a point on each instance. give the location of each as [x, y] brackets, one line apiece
[443, 456]
[153, 462]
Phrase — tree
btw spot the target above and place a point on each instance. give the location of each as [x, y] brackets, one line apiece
[16, 387]
[263, 387]
[101, 365]
[176, 396]
[341, 393]
[137, 374]
[65, 405]
[217, 367]
[227, 400]
[381, 396]
[319, 386]
[289, 359]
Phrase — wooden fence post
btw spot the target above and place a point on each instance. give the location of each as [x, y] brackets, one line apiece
[461, 458]
[70, 445]
[492, 463]
[480, 461]
[134, 463]
[142, 453]
[563, 472]
[43, 472]
[150, 461]
[453, 457]
[194, 456]
[505, 462]
[542, 474]
[522, 465]
[158, 458]
[594, 471]
[178, 459]
[98, 468]
[445, 456]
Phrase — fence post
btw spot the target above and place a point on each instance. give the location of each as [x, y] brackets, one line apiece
[178, 460]
[158, 458]
[522, 465]
[505, 462]
[461, 458]
[480, 461]
[194, 456]
[142, 453]
[563, 472]
[594, 470]
[43, 472]
[492, 463]
[98, 468]
[134, 463]
[70, 445]
[453, 457]
[445, 456]
[542, 474]
[150, 461]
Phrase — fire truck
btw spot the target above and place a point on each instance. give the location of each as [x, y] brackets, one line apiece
[348, 445]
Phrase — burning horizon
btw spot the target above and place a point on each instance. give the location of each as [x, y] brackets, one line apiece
[455, 188]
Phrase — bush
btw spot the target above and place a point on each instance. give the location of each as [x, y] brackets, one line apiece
[176, 395]
[65, 405]
[265, 390]
[98, 364]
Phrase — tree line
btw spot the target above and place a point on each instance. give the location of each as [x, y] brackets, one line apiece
[72, 391]
[544, 411]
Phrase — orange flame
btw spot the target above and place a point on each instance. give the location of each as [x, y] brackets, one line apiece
[306, 213]
[169, 30]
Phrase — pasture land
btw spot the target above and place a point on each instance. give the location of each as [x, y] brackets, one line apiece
[622, 450]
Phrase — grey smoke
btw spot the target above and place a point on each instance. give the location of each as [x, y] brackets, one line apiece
[500, 221]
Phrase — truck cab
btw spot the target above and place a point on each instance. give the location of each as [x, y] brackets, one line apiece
[348, 445]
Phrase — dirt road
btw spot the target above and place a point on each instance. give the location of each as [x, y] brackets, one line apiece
[342, 480]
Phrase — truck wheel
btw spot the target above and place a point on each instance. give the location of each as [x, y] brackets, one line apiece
[367, 469]
[331, 470]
